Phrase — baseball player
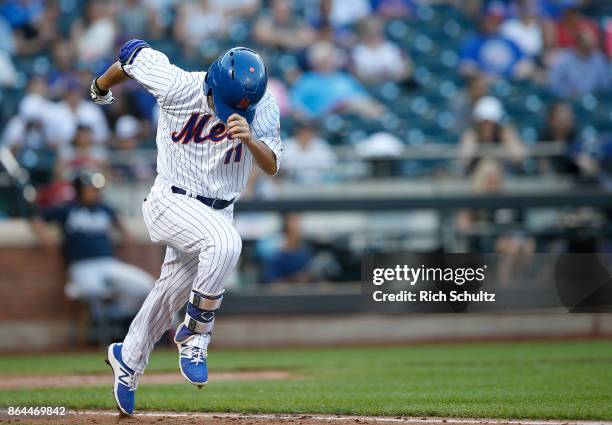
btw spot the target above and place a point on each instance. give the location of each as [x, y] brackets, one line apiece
[212, 127]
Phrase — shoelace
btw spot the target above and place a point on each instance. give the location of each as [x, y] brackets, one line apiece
[132, 380]
[197, 355]
[194, 349]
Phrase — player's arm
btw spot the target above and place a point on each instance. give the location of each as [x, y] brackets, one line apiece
[101, 86]
[262, 137]
[264, 146]
[265, 158]
[137, 61]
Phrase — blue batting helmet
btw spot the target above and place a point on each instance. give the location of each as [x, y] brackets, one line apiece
[237, 80]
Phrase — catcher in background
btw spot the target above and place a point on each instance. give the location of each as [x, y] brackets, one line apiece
[93, 271]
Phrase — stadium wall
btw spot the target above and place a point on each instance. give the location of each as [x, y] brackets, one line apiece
[35, 314]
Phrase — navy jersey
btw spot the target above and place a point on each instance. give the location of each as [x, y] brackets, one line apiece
[86, 230]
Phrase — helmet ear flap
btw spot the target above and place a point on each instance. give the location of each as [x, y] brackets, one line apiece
[209, 79]
[207, 87]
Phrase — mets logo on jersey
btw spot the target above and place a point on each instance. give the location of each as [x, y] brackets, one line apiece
[194, 127]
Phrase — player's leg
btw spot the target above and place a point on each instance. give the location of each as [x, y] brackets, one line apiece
[171, 291]
[193, 229]
[168, 295]
[128, 359]
[217, 260]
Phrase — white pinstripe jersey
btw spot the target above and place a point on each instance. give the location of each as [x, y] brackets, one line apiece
[194, 152]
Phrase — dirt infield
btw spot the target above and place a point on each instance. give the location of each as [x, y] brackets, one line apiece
[107, 417]
[62, 381]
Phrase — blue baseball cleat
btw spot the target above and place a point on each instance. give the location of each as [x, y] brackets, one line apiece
[192, 355]
[126, 380]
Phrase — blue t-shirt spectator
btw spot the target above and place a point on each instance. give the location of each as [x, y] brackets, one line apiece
[575, 74]
[286, 264]
[491, 54]
[394, 8]
[86, 230]
[20, 13]
[317, 93]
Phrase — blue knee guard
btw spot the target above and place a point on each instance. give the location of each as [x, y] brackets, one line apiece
[200, 315]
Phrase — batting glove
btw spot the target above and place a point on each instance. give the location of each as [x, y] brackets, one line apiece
[98, 96]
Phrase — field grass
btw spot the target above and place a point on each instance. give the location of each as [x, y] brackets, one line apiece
[569, 380]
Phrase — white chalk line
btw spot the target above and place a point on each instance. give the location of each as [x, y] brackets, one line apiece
[345, 418]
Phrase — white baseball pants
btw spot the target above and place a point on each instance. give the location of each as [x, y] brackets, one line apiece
[203, 248]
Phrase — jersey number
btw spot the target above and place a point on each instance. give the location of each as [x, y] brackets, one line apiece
[235, 151]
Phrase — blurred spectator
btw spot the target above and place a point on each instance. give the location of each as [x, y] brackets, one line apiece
[462, 105]
[560, 127]
[525, 29]
[307, 158]
[345, 12]
[608, 38]
[499, 231]
[7, 40]
[573, 24]
[333, 18]
[73, 110]
[161, 13]
[393, 9]
[263, 186]
[58, 191]
[34, 23]
[593, 157]
[94, 273]
[94, 34]
[22, 14]
[128, 132]
[491, 53]
[8, 73]
[27, 140]
[380, 151]
[325, 88]
[282, 29]
[489, 129]
[236, 8]
[290, 263]
[336, 13]
[580, 70]
[29, 134]
[279, 90]
[82, 153]
[377, 60]
[133, 19]
[198, 21]
[380, 145]
[560, 124]
[63, 71]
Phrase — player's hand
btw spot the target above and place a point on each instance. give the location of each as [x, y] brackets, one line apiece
[238, 128]
[99, 96]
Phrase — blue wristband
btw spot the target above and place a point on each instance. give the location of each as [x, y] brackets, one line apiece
[129, 51]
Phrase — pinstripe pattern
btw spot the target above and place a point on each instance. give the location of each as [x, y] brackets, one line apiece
[203, 246]
[203, 249]
[198, 167]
